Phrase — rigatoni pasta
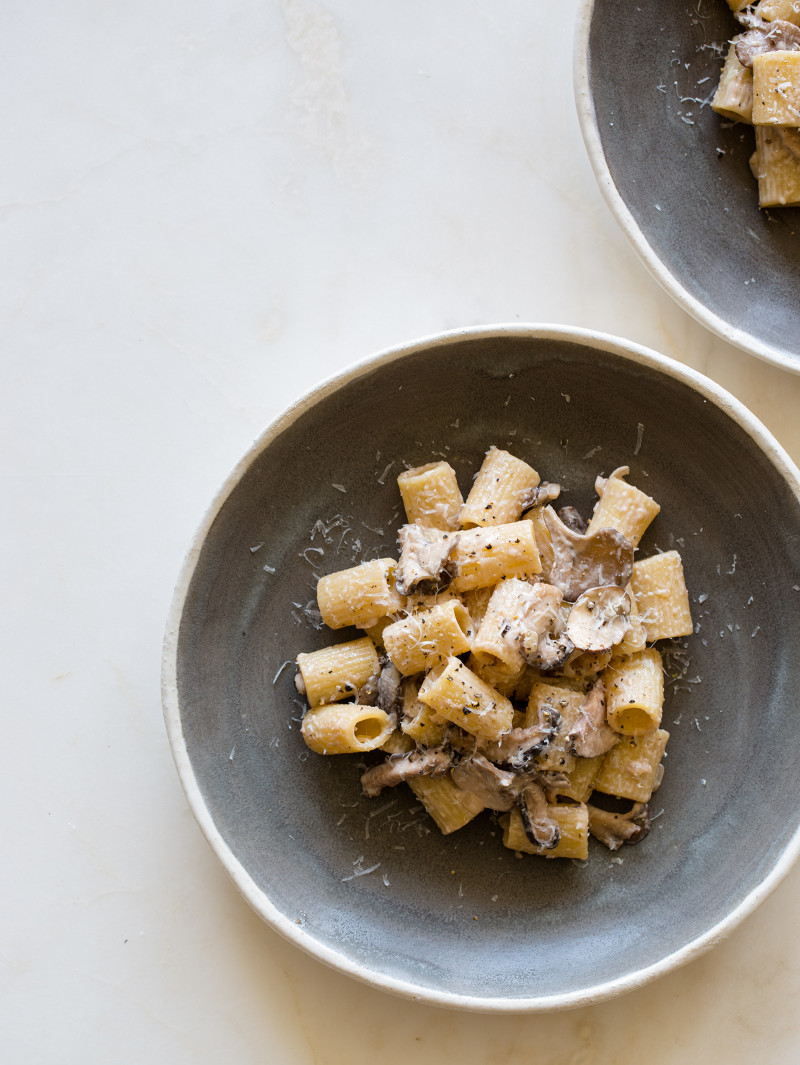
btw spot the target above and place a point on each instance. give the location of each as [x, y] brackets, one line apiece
[507, 668]
[634, 687]
[431, 495]
[346, 728]
[760, 86]
[359, 596]
[338, 671]
[420, 640]
[662, 598]
[623, 507]
[501, 490]
[484, 556]
[455, 692]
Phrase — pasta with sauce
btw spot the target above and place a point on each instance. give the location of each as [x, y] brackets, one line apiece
[514, 669]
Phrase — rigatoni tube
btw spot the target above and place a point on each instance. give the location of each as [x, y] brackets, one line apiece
[662, 600]
[776, 166]
[338, 671]
[776, 89]
[485, 556]
[734, 96]
[573, 823]
[359, 596]
[623, 507]
[634, 692]
[459, 695]
[431, 495]
[500, 491]
[629, 770]
[421, 640]
[449, 806]
[346, 728]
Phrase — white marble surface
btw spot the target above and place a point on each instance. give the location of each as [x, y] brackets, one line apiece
[207, 206]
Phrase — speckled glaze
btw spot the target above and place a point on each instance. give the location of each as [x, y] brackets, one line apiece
[677, 176]
[460, 921]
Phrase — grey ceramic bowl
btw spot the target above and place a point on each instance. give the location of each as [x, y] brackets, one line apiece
[677, 176]
[369, 886]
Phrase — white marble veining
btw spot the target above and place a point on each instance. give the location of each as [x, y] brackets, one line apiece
[205, 208]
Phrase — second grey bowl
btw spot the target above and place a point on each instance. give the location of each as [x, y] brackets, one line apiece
[677, 176]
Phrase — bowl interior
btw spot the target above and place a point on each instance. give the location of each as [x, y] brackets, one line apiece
[683, 172]
[371, 884]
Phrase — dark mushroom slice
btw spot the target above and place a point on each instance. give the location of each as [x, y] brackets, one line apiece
[591, 736]
[541, 495]
[583, 561]
[599, 619]
[496, 788]
[521, 745]
[367, 694]
[463, 743]
[612, 830]
[425, 566]
[573, 519]
[542, 639]
[762, 37]
[390, 688]
[540, 828]
[551, 650]
[430, 762]
[552, 782]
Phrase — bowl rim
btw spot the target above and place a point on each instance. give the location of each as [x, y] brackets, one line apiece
[253, 895]
[587, 117]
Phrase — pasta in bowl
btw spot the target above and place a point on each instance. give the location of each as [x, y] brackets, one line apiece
[370, 885]
[556, 697]
[679, 177]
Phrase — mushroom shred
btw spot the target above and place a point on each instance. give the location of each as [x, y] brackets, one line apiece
[590, 736]
[430, 762]
[520, 746]
[586, 560]
[599, 619]
[540, 828]
[424, 566]
[762, 37]
[612, 830]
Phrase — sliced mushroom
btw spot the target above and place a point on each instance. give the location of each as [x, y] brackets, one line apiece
[584, 561]
[431, 762]
[762, 37]
[521, 745]
[540, 828]
[424, 566]
[583, 664]
[600, 618]
[553, 782]
[591, 736]
[612, 830]
[573, 519]
[540, 632]
[367, 694]
[543, 493]
[552, 650]
[390, 692]
[495, 787]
